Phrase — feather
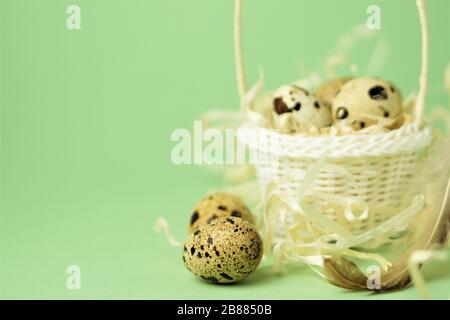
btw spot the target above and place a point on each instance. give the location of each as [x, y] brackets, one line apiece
[345, 274]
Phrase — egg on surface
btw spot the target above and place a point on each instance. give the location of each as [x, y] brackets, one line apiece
[218, 205]
[362, 102]
[224, 251]
[297, 110]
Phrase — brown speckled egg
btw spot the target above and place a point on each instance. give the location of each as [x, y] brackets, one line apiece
[218, 205]
[297, 110]
[224, 251]
[365, 101]
[327, 91]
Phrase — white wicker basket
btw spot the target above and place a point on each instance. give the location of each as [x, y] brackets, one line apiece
[376, 170]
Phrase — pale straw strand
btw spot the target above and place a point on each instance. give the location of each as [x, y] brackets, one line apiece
[162, 224]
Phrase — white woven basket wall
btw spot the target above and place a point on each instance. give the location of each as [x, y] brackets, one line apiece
[378, 168]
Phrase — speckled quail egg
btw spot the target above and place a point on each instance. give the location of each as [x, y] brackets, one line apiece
[226, 250]
[365, 101]
[327, 91]
[296, 110]
[218, 205]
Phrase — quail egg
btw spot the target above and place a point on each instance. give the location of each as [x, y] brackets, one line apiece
[225, 251]
[365, 101]
[218, 205]
[297, 110]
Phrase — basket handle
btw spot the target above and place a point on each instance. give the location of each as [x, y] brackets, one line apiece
[240, 72]
[423, 80]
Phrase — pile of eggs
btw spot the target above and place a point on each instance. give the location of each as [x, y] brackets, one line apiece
[356, 103]
[223, 245]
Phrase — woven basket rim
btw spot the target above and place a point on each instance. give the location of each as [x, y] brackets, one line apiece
[409, 137]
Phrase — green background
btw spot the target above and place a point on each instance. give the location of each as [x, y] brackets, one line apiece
[86, 118]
